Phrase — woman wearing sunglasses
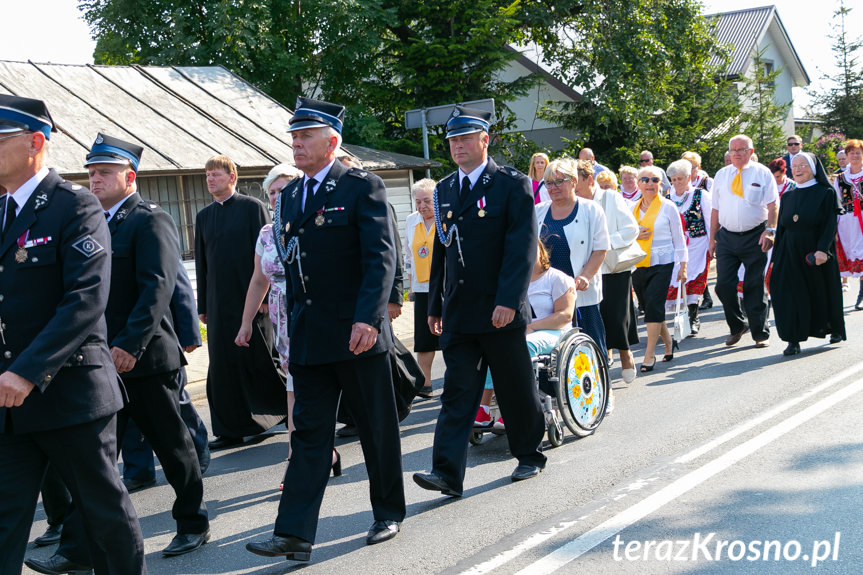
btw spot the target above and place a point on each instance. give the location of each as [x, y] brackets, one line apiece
[661, 236]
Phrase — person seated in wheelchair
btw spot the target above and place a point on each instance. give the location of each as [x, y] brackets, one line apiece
[551, 294]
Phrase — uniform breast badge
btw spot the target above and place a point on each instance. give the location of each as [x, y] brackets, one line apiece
[796, 217]
[481, 205]
[449, 215]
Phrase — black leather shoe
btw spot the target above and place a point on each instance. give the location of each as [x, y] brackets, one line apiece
[289, 547]
[182, 543]
[204, 460]
[223, 442]
[381, 531]
[348, 431]
[792, 349]
[523, 472]
[57, 565]
[432, 482]
[133, 485]
[51, 535]
[835, 338]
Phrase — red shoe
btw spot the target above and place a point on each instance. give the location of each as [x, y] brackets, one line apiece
[483, 418]
[498, 425]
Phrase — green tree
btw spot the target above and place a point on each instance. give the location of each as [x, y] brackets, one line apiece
[651, 76]
[382, 57]
[762, 118]
[841, 104]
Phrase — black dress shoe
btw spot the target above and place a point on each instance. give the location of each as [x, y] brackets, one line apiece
[432, 482]
[381, 531]
[792, 349]
[133, 485]
[348, 431]
[835, 338]
[223, 442]
[57, 565]
[523, 472]
[51, 535]
[289, 547]
[182, 543]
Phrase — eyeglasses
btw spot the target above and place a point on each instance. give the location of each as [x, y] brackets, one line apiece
[654, 179]
[793, 144]
[14, 135]
[643, 161]
[739, 150]
[555, 183]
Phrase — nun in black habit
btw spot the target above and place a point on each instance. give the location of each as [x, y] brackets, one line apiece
[807, 290]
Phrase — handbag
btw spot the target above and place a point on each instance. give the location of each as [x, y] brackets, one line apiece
[623, 258]
[682, 329]
[408, 377]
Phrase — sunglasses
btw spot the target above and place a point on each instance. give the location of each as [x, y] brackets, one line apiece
[555, 183]
[793, 144]
[643, 161]
[14, 136]
[654, 179]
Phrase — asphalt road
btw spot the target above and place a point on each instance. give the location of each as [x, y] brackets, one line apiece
[737, 445]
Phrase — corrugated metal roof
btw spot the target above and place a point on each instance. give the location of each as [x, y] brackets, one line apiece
[182, 115]
[741, 31]
[744, 30]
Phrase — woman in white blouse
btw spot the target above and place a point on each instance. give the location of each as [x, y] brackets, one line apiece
[419, 239]
[695, 206]
[575, 234]
[616, 307]
[661, 236]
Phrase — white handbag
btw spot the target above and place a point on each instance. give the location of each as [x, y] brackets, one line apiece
[682, 329]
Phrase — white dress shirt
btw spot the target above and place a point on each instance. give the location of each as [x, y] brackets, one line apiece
[667, 243]
[738, 214]
[23, 193]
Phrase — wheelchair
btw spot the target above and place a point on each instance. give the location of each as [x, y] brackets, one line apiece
[573, 385]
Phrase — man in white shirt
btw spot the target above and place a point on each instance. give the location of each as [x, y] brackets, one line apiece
[743, 222]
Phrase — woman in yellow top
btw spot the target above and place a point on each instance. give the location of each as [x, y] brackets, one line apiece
[419, 239]
[661, 236]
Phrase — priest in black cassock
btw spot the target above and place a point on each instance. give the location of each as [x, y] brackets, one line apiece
[806, 287]
[245, 390]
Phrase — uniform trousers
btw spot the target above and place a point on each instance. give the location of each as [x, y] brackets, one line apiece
[138, 453]
[467, 356]
[733, 249]
[85, 456]
[55, 497]
[365, 385]
[154, 404]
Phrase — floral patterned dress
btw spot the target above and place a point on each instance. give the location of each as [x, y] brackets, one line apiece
[273, 270]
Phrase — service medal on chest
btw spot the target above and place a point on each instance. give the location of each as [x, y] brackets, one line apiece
[449, 215]
[481, 213]
[21, 255]
[796, 217]
[319, 220]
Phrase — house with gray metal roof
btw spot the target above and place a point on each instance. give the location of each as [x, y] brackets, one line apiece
[744, 31]
[181, 115]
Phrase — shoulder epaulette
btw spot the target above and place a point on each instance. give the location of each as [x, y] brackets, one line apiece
[511, 172]
[358, 173]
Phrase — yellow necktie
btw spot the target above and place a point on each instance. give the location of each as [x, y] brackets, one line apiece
[737, 184]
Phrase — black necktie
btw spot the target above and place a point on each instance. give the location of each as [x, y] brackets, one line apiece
[11, 206]
[107, 216]
[465, 189]
[310, 191]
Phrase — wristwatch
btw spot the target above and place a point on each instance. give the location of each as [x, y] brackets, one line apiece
[770, 230]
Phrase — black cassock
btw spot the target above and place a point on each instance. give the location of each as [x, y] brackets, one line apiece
[245, 390]
[807, 300]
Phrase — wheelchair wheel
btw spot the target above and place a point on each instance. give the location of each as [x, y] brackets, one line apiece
[555, 434]
[475, 437]
[582, 383]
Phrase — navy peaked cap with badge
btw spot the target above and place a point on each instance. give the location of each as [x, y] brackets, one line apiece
[18, 114]
[110, 150]
[467, 121]
[311, 113]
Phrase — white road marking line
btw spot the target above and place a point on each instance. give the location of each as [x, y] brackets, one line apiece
[584, 543]
[767, 415]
